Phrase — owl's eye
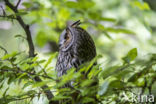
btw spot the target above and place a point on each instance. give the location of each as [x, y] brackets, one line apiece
[68, 38]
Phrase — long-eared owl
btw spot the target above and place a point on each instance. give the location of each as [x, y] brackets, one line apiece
[75, 48]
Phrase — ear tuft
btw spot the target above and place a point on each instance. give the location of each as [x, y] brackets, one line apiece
[75, 24]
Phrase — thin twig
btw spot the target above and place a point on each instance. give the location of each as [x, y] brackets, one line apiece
[4, 15]
[18, 4]
[8, 17]
[3, 10]
[4, 49]
[28, 73]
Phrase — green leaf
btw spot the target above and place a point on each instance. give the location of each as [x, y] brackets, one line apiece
[94, 72]
[131, 55]
[80, 4]
[154, 67]
[108, 71]
[119, 30]
[141, 5]
[87, 100]
[34, 59]
[11, 79]
[72, 4]
[64, 90]
[20, 36]
[87, 82]
[22, 75]
[98, 16]
[49, 60]
[85, 4]
[40, 84]
[61, 97]
[7, 56]
[41, 61]
[71, 74]
[108, 19]
[25, 66]
[92, 62]
[4, 94]
[27, 4]
[31, 92]
[117, 84]
[21, 13]
[1, 63]
[134, 77]
[33, 65]
[6, 67]
[1, 86]
[103, 88]
[27, 84]
[105, 85]
[140, 82]
[107, 35]
[124, 73]
[41, 38]
[114, 30]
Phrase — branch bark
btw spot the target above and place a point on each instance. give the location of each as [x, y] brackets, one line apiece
[24, 26]
[31, 47]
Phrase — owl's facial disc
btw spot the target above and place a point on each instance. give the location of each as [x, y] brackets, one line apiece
[68, 37]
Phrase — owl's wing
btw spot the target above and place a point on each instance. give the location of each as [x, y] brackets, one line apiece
[83, 49]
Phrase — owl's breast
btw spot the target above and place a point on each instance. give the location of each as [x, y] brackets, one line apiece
[63, 63]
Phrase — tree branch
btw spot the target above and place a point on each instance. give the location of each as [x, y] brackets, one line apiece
[24, 26]
[31, 47]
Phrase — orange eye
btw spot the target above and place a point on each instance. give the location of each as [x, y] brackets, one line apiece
[68, 38]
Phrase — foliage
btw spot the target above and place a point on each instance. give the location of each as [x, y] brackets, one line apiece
[104, 83]
[99, 85]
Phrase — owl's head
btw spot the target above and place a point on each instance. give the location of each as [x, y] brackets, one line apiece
[67, 37]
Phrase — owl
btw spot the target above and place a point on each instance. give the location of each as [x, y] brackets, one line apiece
[75, 48]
